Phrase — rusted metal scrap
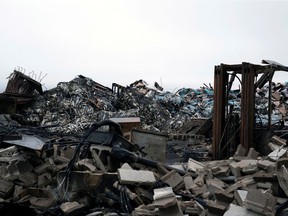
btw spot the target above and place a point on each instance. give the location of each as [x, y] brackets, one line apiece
[20, 90]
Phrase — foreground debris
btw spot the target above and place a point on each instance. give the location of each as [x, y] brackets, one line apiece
[80, 176]
[84, 149]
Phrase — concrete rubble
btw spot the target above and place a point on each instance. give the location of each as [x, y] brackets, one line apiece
[85, 149]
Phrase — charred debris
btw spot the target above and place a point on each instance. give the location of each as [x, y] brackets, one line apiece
[82, 148]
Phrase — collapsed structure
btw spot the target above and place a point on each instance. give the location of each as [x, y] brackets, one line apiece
[84, 149]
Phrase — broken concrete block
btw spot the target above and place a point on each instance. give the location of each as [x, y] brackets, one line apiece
[44, 179]
[43, 203]
[266, 164]
[144, 210]
[161, 169]
[193, 211]
[218, 168]
[235, 169]
[42, 168]
[215, 209]
[126, 166]
[199, 181]
[250, 169]
[215, 185]
[19, 192]
[28, 179]
[194, 165]
[174, 210]
[86, 165]
[223, 198]
[249, 166]
[162, 194]
[188, 181]
[71, 208]
[98, 153]
[276, 154]
[240, 153]
[41, 198]
[67, 152]
[239, 184]
[264, 185]
[13, 169]
[24, 166]
[144, 194]
[174, 180]
[165, 200]
[240, 196]
[278, 140]
[261, 202]
[6, 188]
[84, 180]
[235, 210]
[136, 177]
[222, 171]
[247, 162]
[200, 190]
[8, 151]
[252, 154]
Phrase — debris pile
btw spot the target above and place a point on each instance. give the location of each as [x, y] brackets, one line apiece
[85, 149]
[66, 175]
[72, 106]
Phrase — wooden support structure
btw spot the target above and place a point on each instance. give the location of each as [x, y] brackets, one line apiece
[221, 112]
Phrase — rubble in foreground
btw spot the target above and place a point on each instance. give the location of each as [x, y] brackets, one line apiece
[66, 154]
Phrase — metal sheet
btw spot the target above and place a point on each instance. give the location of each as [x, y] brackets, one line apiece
[29, 141]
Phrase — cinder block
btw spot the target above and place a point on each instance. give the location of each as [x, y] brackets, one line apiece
[136, 177]
[243, 183]
[28, 179]
[264, 185]
[223, 196]
[235, 210]
[86, 165]
[194, 165]
[276, 154]
[44, 179]
[258, 201]
[6, 188]
[199, 180]
[240, 151]
[71, 208]
[266, 164]
[250, 169]
[42, 168]
[235, 169]
[164, 197]
[252, 154]
[41, 198]
[240, 196]
[215, 185]
[173, 179]
[215, 208]
[188, 181]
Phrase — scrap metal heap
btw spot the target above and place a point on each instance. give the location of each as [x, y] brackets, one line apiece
[85, 149]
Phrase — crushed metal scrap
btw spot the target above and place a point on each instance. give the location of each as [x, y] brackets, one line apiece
[85, 149]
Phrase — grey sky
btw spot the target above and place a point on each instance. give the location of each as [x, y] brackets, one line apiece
[176, 43]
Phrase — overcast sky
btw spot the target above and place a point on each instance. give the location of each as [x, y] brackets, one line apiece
[176, 43]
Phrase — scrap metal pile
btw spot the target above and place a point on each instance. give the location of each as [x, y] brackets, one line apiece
[72, 106]
[64, 155]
